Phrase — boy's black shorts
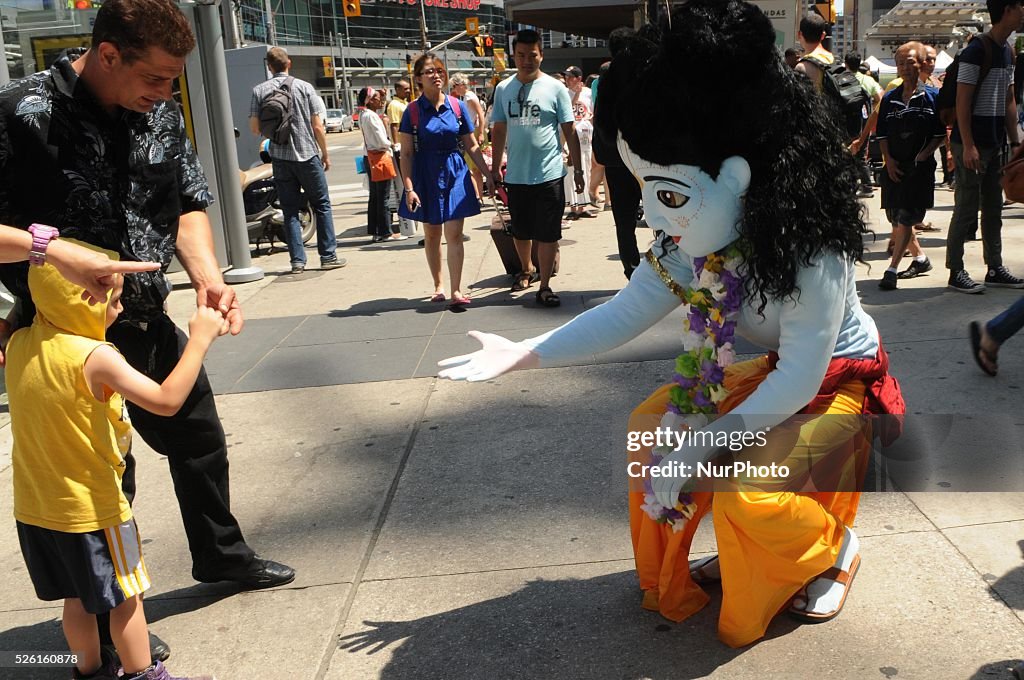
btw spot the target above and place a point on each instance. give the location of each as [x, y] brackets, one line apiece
[101, 568]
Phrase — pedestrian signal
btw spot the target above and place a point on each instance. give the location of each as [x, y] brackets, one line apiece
[351, 8]
[488, 45]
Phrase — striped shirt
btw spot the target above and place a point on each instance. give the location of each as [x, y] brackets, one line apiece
[989, 115]
[305, 104]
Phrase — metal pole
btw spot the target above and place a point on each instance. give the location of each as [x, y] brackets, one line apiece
[344, 75]
[230, 28]
[5, 75]
[271, 29]
[344, 72]
[423, 26]
[215, 75]
[334, 72]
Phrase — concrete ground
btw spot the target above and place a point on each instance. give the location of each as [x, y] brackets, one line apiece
[454, 531]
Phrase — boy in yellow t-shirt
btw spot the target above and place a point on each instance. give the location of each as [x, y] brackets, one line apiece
[67, 388]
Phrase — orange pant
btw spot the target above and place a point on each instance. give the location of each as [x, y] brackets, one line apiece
[770, 543]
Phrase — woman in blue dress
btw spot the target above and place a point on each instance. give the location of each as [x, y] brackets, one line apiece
[438, 187]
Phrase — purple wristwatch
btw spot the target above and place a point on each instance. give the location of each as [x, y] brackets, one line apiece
[41, 236]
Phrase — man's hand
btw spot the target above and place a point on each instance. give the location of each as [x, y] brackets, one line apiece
[221, 297]
[895, 174]
[95, 272]
[972, 159]
[327, 163]
[855, 146]
[577, 180]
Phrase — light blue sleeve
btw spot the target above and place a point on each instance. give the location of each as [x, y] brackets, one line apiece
[564, 105]
[497, 110]
[809, 328]
[642, 303]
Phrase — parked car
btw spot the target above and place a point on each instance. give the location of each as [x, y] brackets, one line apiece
[338, 121]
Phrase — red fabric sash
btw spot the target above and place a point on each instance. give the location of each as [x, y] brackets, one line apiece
[882, 398]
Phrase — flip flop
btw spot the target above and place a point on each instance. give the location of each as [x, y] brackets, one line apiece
[979, 353]
[833, 574]
[699, 571]
[437, 297]
[459, 301]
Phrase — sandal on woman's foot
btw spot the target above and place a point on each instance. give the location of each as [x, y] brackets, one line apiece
[547, 297]
[701, 571]
[832, 574]
[524, 280]
[438, 297]
[986, 361]
[459, 301]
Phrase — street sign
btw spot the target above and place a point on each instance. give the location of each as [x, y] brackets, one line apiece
[499, 59]
[328, 67]
[472, 25]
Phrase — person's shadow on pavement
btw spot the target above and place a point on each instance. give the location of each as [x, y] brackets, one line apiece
[571, 628]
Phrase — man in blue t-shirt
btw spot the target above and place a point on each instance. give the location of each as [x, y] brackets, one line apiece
[529, 111]
[985, 115]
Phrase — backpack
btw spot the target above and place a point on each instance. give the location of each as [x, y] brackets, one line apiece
[842, 87]
[946, 102]
[414, 118]
[276, 113]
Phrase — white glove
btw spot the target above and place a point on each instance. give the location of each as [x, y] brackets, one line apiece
[666, 489]
[497, 356]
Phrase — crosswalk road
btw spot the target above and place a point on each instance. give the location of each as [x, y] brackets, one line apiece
[344, 193]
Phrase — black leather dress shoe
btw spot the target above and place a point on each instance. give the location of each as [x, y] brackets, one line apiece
[158, 650]
[259, 573]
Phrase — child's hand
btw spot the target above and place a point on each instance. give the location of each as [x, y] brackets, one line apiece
[207, 324]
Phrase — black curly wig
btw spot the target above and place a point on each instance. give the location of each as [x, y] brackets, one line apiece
[725, 91]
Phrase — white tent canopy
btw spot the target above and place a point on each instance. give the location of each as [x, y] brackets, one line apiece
[887, 67]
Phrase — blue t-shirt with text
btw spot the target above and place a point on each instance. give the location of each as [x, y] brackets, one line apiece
[533, 113]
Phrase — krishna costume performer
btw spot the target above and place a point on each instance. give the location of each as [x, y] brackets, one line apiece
[752, 198]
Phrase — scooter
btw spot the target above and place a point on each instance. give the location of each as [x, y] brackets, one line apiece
[264, 219]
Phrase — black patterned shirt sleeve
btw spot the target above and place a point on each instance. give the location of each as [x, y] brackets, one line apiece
[193, 187]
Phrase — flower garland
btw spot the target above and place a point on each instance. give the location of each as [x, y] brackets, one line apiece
[711, 304]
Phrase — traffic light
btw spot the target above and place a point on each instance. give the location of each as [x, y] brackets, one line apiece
[351, 8]
[488, 44]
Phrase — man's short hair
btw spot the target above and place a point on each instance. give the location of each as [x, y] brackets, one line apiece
[137, 25]
[402, 80]
[996, 8]
[527, 36]
[618, 39]
[574, 71]
[813, 27]
[277, 59]
[852, 61]
[794, 52]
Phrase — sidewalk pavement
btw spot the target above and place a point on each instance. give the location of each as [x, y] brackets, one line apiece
[445, 530]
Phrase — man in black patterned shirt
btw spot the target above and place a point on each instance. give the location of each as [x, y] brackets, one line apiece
[96, 147]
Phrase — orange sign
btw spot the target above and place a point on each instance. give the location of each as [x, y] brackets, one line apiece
[472, 25]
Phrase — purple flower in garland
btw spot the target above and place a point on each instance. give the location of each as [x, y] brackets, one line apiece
[686, 383]
[711, 372]
[698, 322]
[701, 401]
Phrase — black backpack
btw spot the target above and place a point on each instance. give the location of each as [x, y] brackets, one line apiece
[276, 113]
[842, 88]
[946, 103]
